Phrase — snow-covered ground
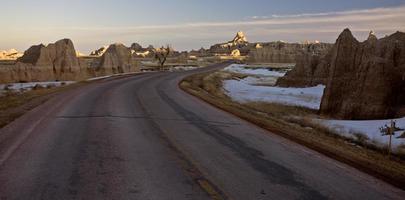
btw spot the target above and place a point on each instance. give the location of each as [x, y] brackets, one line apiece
[370, 128]
[113, 75]
[24, 87]
[21, 87]
[259, 86]
[183, 68]
[263, 72]
[244, 91]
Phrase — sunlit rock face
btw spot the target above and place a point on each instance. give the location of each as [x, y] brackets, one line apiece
[239, 42]
[117, 59]
[56, 61]
[11, 54]
[240, 38]
[99, 52]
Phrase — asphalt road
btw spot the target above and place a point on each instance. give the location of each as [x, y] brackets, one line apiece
[141, 137]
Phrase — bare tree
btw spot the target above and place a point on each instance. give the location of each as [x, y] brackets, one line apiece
[161, 55]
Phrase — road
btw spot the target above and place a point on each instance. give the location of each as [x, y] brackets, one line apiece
[141, 137]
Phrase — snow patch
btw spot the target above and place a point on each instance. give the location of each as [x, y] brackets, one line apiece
[370, 128]
[184, 68]
[243, 69]
[113, 75]
[23, 87]
[242, 91]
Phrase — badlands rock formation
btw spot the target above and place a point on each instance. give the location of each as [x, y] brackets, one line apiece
[99, 52]
[117, 59]
[239, 42]
[137, 47]
[282, 52]
[240, 38]
[311, 68]
[11, 54]
[59, 61]
[366, 79]
[56, 61]
[268, 52]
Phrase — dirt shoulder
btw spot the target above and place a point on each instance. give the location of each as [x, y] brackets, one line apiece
[208, 87]
[14, 105]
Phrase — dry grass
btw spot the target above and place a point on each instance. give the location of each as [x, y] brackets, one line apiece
[13, 105]
[274, 117]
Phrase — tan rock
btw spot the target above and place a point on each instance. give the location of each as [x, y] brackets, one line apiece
[366, 79]
[117, 59]
[11, 54]
[57, 60]
[240, 38]
[99, 52]
[235, 53]
[281, 52]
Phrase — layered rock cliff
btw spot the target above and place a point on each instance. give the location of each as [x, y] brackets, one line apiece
[267, 52]
[282, 52]
[311, 69]
[366, 79]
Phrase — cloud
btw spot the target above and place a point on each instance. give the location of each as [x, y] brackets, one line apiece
[297, 27]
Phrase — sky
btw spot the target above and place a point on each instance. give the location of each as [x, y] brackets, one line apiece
[191, 24]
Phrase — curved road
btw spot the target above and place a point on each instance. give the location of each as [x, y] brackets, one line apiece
[141, 137]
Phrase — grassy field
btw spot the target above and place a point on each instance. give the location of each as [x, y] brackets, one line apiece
[276, 118]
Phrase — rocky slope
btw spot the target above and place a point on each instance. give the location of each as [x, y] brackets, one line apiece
[311, 67]
[366, 79]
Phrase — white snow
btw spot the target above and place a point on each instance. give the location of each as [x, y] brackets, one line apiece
[367, 127]
[243, 69]
[183, 68]
[98, 78]
[113, 75]
[243, 91]
[23, 87]
[259, 86]
[30, 85]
